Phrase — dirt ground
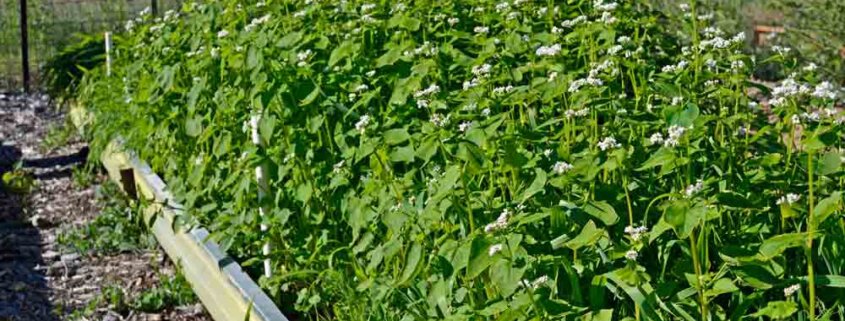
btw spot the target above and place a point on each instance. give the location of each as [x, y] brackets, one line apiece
[38, 279]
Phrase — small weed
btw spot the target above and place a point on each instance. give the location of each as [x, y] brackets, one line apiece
[118, 228]
[58, 135]
[172, 291]
[83, 176]
[112, 295]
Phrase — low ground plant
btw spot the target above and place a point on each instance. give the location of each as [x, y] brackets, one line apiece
[119, 227]
[476, 160]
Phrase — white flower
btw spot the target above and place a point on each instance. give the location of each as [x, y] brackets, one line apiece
[675, 133]
[614, 50]
[502, 6]
[711, 63]
[498, 91]
[432, 89]
[811, 67]
[485, 112]
[465, 126]
[552, 50]
[500, 223]
[684, 6]
[781, 50]
[481, 70]
[362, 87]
[371, 73]
[825, 90]
[561, 167]
[624, 40]
[600, 6]
[367, 7]
[576, 85]
[338, 167]
[656, 138]
[739, 37]
[677, 100]
[303, 55]
[737, 65]
[573, 22]
[552, 76]
[536, 284]
[576, 113]
[222, 33]
[362, 123]
[790, 290]
[440, 121]
[607, 18]
[547, 152]
[453, 21]
[795, 119]
[608, 143]
[675, 68]
[631, 255]
[495, 248]
[812, 117]
[471, 84]
[694, 188]
[481, 30]
[636, 233]
[789, 199]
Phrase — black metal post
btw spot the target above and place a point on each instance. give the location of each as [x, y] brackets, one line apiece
[24, 46]
[154, 7]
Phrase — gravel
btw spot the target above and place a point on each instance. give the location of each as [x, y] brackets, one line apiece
[38, 279]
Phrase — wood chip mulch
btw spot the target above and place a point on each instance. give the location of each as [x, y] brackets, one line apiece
[39, 280]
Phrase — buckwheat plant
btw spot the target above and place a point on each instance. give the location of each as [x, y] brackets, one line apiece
[480, 160]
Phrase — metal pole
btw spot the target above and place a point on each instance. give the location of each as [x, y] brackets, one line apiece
[154, 7]
[24, 46]
[261, 177]
[108, 53]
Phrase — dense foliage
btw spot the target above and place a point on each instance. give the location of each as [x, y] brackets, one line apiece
[472, 159]
[64, 70]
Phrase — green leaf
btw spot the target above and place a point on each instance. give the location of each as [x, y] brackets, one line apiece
[642, 295]
[774, 246]
[344, 50]
[265, 128]
[777, 310]
[506, 276]
[412, 263]
[589, 235]
[721, 286]
[396, 136]
[311, 97]
[538, 185]
[402, 154]
[602, 211]
[193, 126]
[290, 39]
[663, 157]
[829, 163]
[479, 258]
[826, 207]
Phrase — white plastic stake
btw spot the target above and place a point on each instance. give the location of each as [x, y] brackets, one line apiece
[261, 177]
[108, 53]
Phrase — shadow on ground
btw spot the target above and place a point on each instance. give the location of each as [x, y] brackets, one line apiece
[24, 290]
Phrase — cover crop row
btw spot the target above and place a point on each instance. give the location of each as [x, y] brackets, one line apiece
[475, 160]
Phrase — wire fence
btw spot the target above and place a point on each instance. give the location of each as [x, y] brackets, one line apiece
[53, 24]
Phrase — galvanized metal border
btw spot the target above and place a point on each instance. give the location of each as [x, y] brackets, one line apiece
[226, 291]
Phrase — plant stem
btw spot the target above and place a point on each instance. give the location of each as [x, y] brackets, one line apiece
[809, 250]
[697, 266]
